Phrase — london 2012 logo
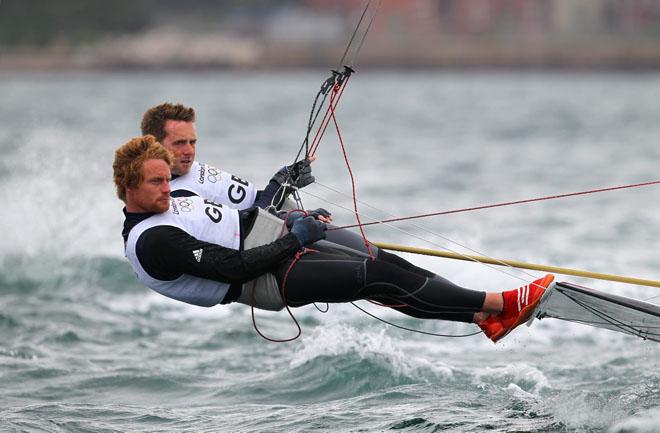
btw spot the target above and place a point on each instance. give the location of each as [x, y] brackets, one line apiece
[206, 172]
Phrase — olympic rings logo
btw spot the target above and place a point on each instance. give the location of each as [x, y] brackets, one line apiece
[212, 174]
[186, 205]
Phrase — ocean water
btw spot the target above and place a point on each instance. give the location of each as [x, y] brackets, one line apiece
[85, 348]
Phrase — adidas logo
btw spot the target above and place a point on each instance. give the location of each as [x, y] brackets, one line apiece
[198, 254]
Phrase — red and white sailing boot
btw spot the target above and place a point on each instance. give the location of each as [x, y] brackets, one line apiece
[491, 326]
[519, 305]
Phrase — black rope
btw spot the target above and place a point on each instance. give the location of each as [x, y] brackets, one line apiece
[357, 27]
[328, 84]
[417, 331]
[364, 35]
[322, 310]
[336, 76]
[604, 316]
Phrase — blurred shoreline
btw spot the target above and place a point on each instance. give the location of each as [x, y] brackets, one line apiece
[164, 50]
[268, 34]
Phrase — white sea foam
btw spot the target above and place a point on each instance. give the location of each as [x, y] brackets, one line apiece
[518, 393]
[409, 156]
[579, 410]
[147, 301]
[68, 202]
[643, 422]
[341, 339]
[523, 376]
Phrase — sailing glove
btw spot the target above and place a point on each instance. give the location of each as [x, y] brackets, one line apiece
[316, 213]
[308, 230]
[293, 216]
[298, 174]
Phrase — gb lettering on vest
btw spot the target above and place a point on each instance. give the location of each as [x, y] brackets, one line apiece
[237, 193]
[217, 186]
[213, 211]
[203, 220]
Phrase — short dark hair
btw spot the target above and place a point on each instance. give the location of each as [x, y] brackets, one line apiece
[153, 121]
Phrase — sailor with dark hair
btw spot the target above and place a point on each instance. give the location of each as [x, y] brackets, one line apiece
[173, 125]
[203, 253]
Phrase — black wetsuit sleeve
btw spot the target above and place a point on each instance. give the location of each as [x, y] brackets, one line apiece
[166, 252]
[268, 195]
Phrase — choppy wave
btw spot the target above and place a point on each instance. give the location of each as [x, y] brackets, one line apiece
[85, 347]
[25, 274]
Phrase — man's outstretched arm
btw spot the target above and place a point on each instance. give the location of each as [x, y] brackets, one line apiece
[167, 252]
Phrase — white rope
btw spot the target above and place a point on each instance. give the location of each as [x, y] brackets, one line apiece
[326, 200]
[388, 215]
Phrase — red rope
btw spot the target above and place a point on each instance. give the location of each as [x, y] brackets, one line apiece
[295, 321]
[286, 276]
[322, 127]
[334, 101]
[350, 172]
[508, 203]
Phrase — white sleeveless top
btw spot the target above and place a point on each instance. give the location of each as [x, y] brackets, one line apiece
[216, 185]
[204, 220]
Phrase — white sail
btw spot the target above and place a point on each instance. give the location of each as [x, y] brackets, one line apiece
[579, 304]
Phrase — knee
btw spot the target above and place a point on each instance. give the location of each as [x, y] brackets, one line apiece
[378, 271]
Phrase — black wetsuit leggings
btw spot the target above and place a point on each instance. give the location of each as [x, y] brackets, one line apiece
[332, 273]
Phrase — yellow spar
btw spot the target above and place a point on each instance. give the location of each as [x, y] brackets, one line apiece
[516, 264]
